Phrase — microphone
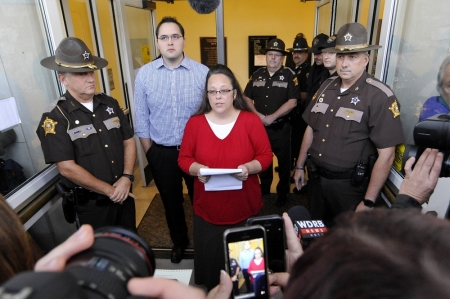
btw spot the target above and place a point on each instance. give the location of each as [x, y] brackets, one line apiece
[306, 229]
[204, 6]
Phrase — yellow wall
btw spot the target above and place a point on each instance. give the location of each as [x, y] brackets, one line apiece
[242, 18]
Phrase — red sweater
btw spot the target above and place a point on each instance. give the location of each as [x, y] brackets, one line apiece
[247, 141]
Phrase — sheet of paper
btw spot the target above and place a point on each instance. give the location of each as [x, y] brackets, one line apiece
[223, 182]
[180, 275]
[217, 171]
[9, 115]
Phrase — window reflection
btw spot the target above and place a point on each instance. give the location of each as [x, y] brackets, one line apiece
[419, 46]
[23, 45]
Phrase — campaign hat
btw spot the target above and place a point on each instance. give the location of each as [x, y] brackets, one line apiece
[352, 37]
[318, 43]
[73, 56]
[300, 45]
[275, 44]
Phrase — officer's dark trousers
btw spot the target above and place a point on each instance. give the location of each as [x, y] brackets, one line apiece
[280, 141]
[328, 198]
[99, 211]
[298, 130]
[168, 178]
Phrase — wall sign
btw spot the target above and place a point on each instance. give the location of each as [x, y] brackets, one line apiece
[256, 59]
[208, 51]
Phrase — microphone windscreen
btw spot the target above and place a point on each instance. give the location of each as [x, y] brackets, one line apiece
[204, 6]
[299, 213]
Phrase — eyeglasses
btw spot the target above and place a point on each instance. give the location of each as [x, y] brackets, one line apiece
[221, 92]
[173, 37]
[275, 55]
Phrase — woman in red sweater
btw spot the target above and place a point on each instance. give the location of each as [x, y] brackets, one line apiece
[223, 133]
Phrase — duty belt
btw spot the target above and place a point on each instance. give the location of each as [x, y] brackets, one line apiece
[85, 194]
[335, 175]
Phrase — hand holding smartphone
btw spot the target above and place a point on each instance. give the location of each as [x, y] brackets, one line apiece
[246, 257]
[276, 250]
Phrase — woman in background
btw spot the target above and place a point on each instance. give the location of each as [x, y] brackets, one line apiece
[223, 133]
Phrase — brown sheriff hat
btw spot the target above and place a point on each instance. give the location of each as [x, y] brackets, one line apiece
[352, 37]
[73, 56]
[300, 45]
[275, 44]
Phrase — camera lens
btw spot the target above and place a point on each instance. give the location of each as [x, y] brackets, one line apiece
[116, 256]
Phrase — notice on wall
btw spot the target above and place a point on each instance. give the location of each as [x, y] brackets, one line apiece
[256, 58]
[9, 115]
[208, 51]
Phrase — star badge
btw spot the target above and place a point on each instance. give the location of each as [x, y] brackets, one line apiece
[394, 109]
[275, 44]
[354, 101]
[49, 126]
[110, 110]
[85, 55]
[281, 77]
[348, 37]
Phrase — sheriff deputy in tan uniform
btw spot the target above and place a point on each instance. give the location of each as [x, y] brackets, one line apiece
[353, 128]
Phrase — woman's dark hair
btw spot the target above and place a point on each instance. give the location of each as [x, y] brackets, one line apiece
[238, 103]
[262, 253]
[15, 251]
[383, 253]
[169, 20]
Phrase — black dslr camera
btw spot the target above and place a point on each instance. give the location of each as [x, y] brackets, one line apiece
[100, 272]
[433, 132]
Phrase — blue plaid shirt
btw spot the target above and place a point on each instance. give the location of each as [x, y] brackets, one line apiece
[165, 99]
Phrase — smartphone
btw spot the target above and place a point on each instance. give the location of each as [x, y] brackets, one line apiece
[276, 244]
[245, 261]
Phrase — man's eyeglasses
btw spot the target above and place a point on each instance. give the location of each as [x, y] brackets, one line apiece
[221, 92]
[275, 55]
[166, 38]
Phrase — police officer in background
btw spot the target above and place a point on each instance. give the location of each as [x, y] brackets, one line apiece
[301, 66]
[353, 128]
[90, 140]
[329, 59]
[315, 73]
[272, 92]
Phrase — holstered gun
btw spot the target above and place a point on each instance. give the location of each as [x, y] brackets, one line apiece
[68, 202]
[313, 172]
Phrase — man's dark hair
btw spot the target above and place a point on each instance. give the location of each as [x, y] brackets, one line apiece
[169, 20]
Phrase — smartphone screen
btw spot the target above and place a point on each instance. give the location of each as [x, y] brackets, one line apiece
[245, 252]
[274, 226]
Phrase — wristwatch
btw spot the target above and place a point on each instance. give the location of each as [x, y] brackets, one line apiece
[129, 176]
[369, 203]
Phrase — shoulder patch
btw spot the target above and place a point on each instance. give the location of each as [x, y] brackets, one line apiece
[54, 103]
[380, 86]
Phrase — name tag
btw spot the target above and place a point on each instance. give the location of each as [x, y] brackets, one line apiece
[259, 83]
[82, 132]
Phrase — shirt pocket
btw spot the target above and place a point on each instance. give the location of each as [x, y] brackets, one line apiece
[317, 112]
[112, 123]
[80, 138]
[352, 121]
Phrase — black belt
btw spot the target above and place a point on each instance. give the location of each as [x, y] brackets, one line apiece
[335, 175]
[87, 194]
[177, 147]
